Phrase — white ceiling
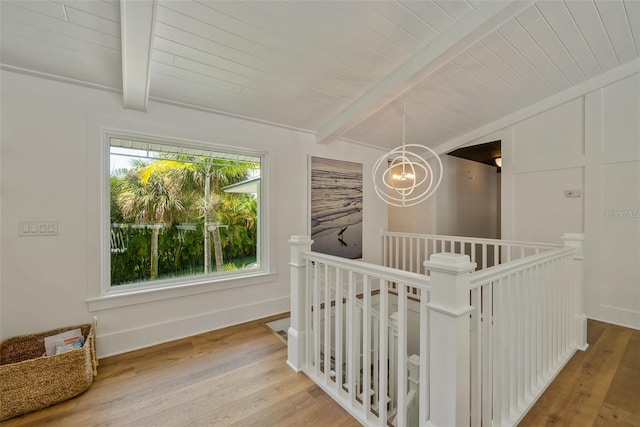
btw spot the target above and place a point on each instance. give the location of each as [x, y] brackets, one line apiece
[335, 68]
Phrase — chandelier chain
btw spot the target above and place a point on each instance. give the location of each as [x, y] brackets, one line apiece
[404, 140]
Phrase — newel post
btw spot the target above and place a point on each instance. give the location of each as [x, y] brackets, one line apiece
[576, 240]
[297, 331]
[449, 323]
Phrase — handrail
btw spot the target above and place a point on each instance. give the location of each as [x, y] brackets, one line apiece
[394, 275]
[472, 239]
[482, 277]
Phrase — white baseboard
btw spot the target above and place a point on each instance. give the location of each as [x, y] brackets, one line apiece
[618, 316]
[148, 335]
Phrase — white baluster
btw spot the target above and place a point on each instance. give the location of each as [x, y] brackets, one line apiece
[498, 352]
[405, 242]
[375, 351]
[512, 338]
[476, 357]
[487, 354]
[383, 350]
[527, 313]
[505, 338]
[473, 252]
[402, 355]
[418, 256]
[520, 336]
[424, 358]
[413, 365]
[411, 243]
[339, 328]
[316, 327]
[484, 256]
[327, 324]
[366, 344]
[385, 250]
[352, 336]
[393, 360]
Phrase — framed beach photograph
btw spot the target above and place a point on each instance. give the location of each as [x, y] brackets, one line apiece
[336, 207]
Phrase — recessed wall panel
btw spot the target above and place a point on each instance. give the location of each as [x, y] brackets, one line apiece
[553, 134]
[621, 115]
[541, 210]
[620, 236]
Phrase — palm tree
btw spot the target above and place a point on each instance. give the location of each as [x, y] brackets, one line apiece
[205, 176]
[150, 196]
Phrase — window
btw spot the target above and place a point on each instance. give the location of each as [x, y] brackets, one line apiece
[181, 213]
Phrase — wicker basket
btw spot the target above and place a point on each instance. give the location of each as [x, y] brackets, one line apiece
[29, 382]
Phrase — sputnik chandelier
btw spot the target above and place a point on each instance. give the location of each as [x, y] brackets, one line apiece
[402, 177]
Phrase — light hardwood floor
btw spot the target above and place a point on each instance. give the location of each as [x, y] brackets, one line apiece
[235, 376]
[598, 387]
[238, 376]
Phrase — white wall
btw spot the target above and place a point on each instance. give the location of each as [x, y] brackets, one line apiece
[465, 204]
[467, 200]
[585, 139]
[612, 203]
[590, 144]
[544, 160]
[420, 218]
[49, 170]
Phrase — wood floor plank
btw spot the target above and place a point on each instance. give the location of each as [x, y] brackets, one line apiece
[218, 394]
[622, 402]
[578, 394]
[614, 416]
[238, 377]
[253, 406]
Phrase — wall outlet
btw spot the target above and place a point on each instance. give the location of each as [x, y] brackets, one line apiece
[37, 228]
[572, 193]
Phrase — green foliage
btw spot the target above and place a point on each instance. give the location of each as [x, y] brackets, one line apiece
[168, 192]
[239, 213]
[116, 184]
[229, 267]
[131, 265]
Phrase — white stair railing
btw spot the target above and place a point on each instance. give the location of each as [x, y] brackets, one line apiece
[488, 342]
[526, 323]
[408, 252]
[342, 336]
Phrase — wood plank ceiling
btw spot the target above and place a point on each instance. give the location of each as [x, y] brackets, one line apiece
[335, 68]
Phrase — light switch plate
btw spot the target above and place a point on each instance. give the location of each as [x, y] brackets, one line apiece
[38, 228]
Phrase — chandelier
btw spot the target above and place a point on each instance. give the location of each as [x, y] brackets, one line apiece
[403, 177]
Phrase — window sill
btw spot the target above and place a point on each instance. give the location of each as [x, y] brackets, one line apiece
[144, 296]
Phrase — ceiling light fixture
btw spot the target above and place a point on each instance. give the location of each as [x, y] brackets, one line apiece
[404, 178]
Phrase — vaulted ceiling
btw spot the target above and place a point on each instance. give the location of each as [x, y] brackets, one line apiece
[339, 69]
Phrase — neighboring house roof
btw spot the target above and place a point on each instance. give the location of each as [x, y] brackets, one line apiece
[250, 185]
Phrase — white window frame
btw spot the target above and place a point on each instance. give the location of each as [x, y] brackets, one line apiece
[190, 284]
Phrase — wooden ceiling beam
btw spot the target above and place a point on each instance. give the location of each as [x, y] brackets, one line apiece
[462, 35]
[137, 19]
